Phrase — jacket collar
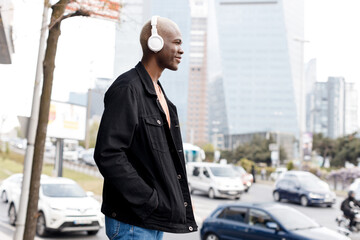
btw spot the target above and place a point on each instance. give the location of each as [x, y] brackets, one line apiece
[145, 78]
[148, 84]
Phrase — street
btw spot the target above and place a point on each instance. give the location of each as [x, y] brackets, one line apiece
[202, 206]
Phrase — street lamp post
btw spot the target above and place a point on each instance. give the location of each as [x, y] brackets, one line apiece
[301, 97]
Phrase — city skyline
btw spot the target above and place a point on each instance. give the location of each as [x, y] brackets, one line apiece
[101, 65]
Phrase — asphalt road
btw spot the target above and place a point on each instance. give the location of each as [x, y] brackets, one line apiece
[202, 206]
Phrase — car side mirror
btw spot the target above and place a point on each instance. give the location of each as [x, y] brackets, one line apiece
[272, 225]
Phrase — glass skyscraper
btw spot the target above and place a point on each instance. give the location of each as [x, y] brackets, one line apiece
[260, 64]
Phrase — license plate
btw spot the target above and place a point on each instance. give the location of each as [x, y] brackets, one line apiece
[81, 222]
[232, 192]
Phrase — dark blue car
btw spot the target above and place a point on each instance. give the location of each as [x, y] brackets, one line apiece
[265, 221]
[304, 188]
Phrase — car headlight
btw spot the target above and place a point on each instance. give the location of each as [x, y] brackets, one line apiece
[315, 195]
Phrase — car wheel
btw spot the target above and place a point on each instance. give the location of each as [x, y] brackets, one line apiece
[276, 196]
[304, 201]
[12, 214]
[91, 233]
[211, 193]
[41, 226]
[4, 197]
[211, 236]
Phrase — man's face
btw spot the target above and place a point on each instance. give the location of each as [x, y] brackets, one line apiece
[170, 56]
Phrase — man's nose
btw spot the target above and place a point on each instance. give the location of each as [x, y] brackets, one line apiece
[181, 51]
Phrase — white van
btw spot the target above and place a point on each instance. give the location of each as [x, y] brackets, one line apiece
[217, 180]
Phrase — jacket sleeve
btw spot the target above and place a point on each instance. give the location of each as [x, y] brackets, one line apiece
[116, 131]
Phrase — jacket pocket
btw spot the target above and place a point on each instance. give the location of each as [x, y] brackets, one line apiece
[163, 211]
[155, 129]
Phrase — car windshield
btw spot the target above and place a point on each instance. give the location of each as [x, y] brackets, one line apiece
[63, 190]
[223, 171]
[313, 183]
[292, 219]
[240, 170]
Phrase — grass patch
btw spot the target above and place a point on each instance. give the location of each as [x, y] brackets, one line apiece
[9, 166]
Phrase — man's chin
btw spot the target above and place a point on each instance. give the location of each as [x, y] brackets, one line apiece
[173, 68]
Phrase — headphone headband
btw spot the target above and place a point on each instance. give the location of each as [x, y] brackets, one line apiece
[153, 25]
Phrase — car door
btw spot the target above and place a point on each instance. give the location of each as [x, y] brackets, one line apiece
[205, 179]
[232, 224]
[282, 188]
[292, 190]
[258, 229]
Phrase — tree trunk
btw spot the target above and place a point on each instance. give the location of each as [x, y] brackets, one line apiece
[48, 68]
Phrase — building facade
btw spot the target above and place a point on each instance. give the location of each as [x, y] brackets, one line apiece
[197, 108]
[260, 64]
[335, 111]
[351, 109]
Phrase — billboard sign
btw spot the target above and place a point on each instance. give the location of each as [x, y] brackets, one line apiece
[66, 121]
[108, 9]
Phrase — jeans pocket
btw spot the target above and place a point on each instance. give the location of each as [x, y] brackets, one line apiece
[112, 227]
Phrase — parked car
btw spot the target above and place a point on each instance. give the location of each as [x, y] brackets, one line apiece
[263, 221]
[247, 178]
[9, 185]
[304, 188]
[87, 157]
[63, 206]
[277, 173]
[217, 180]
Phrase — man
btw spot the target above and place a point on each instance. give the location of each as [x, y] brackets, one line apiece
[139, 148]
[348, 205]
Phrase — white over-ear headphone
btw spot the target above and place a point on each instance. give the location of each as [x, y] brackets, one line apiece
[155, 41]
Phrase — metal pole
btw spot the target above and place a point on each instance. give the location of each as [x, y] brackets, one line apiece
[88, 113]
[59, 157]
[301, 112]
[20, 222]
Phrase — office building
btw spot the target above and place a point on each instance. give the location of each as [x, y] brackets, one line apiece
[310, 80]
[351, 109]
[197, 108]
[260, 65]
[335, 111]
[319, 113]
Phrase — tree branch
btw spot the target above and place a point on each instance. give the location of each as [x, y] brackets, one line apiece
[79, 12]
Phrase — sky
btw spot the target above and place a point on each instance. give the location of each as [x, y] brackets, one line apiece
[86, 51]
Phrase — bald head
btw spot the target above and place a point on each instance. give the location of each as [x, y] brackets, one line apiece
[165, 28]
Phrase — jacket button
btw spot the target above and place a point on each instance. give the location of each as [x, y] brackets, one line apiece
[179, 176]
[180, 150]
[185, 204]
[113, 214]
[191, 228]
[158, 121]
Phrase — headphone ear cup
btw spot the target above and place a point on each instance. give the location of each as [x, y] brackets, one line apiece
[155, 43]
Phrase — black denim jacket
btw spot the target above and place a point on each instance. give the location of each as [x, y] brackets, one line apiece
[141, 159]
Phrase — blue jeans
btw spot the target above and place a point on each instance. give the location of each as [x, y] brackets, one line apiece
[116, 230]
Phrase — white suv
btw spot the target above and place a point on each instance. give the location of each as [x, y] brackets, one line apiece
[63, 206]
[217, 180]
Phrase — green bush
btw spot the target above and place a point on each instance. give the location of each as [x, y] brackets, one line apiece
[290, 165]
[246, 164]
